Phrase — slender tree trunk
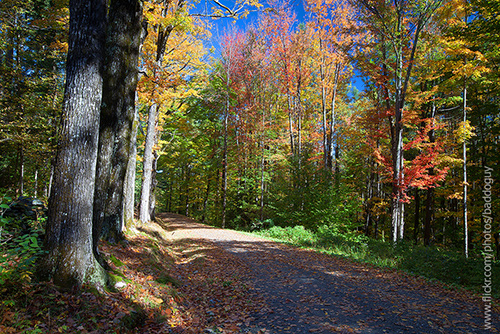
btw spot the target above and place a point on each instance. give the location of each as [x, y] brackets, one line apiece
[262, 170]
[69, 258]
[429, 204]
[145, 210]
[290, 123]
[117, 117]
[21, 170]
[397, 143]
[416, 221]
[147, 169]
[326, 151]
[224, 159]
[35, 192]
[332, 140]
[299, 114]
[188, 180]
[154, 183]
[464, 148]
[129, 187]
[205, 200]
[51, 178]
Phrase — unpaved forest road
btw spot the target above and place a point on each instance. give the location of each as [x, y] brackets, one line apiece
[308, 292]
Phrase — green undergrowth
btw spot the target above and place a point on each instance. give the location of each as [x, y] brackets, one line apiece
[431, 262]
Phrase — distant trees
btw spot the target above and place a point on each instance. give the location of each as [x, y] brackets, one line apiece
[32, 50]
[294, 125]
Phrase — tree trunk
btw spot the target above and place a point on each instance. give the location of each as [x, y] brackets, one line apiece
[326, 151]
[331, 139]
[147, 169]
[224, 160]
[35, 192]
[205, 200]
[129, 187]
[416, 221]
[69, 259]
[290, 123]
[117, 117]
[429, 203]
[145, 211]
[154, 183]
[21, 170]
[464, 148]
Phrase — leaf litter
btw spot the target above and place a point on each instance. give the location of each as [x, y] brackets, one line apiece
[177, 276]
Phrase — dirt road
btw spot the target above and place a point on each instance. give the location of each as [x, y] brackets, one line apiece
[306, 292]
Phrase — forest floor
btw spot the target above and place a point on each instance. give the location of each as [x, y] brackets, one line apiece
[179, 276]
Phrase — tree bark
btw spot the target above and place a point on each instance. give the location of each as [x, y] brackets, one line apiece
[146, 207]
[429, 203]
[147, 169]
[416, 222]
[224, 159]
[117, 117]
[69, 259]
[129, 187]
[21, 170]
[331, 139]
[464, 148]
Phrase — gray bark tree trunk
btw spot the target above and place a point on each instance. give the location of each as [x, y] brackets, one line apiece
[117, 117]
[129, 187]
[69, 260]
[147, 169]
[146, 207]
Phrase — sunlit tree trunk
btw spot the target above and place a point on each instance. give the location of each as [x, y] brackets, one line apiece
[147, 167]
[69, 258]
[129, 187]
[148, 159]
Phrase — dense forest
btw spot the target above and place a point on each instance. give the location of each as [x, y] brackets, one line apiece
[136, 106]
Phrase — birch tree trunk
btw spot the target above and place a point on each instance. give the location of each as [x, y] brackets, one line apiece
[147, 169]
[145, 211]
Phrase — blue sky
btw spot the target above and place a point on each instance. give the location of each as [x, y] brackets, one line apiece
[219, 26]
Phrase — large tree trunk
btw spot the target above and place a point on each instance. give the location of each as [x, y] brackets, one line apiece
[117, 117]
[69, 259]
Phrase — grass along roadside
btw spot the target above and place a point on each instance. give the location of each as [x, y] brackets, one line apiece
[430, 262]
